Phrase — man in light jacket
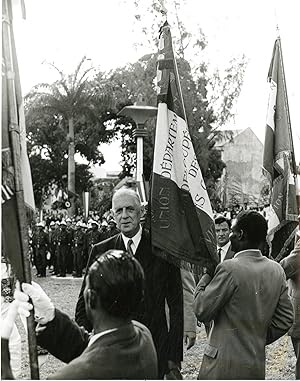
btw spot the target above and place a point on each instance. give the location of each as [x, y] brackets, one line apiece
[291, 266]
[248, 302]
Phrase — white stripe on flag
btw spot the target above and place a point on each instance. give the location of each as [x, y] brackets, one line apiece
[272, 104]
[4, 190]
[175, 158]
[273, 220]
[9, 190]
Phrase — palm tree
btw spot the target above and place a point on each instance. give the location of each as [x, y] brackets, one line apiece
[69, 98]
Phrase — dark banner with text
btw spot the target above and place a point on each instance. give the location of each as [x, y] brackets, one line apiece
[182, 226]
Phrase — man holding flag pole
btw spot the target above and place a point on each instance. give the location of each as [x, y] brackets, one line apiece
[247, 298]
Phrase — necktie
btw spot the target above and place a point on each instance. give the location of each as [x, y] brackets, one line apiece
[129, 249]
[219, 253]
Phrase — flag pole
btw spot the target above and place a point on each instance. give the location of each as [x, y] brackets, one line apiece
[287, 109]
[14, 134]
[294, 166]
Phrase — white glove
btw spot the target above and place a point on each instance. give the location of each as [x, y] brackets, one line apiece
[19, 305]
[44, 310]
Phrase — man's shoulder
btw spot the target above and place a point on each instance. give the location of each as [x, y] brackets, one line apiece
[235, 263]
[109, 243]
[145, 238]
[84, 366]
[141, 327]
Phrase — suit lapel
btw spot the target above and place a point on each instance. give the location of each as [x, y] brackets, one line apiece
[229, 254]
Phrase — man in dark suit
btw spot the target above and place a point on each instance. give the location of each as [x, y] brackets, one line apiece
[119, 348]
[224, 250]
[248, 302]
[162, 283]
[223, 226]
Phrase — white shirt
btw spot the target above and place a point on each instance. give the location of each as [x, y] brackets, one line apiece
[249, 250]
[100, 334]
[135, 239]
[224, 250]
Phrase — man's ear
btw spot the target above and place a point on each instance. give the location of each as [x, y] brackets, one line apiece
[241, 235]
[143, 211]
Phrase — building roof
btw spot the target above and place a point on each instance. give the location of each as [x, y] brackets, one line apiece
[235, 133]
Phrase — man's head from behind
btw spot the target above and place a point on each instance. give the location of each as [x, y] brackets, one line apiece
[222, 226]
[127, 211]
[249, 231]
[114, 287]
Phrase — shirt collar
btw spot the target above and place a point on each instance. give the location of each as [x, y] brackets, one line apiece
[248, 251]
[225, 247]
[135, 239]
[100, 334]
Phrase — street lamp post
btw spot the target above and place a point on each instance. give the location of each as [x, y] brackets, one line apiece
[139, 112]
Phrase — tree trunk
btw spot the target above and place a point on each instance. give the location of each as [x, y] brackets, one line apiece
[71, 165]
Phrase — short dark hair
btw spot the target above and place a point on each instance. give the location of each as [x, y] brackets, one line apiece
[220, 219]
[254, 224]
[118, 279]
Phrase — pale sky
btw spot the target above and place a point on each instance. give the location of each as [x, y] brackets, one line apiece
[62, 31]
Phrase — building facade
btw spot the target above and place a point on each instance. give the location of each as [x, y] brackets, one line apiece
[242, 181]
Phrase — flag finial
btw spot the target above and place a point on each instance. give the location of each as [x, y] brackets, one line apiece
[277, 31]
[163, 9]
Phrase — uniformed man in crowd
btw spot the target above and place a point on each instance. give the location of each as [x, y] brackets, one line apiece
[52, 245]
[112, 228]
[62, 249]
[93, 236]
[78, 249]
[69, 260]
[54, 240]
[40, 247]
[104, 230]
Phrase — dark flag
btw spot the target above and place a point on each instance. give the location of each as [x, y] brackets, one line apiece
[16, 177]
[13, 123]
[182, 225]
[279, 161]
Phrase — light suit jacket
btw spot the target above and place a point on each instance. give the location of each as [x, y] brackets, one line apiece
[248, 302]
[291, 266]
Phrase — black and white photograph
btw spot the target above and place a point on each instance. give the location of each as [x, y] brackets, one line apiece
[150, 190]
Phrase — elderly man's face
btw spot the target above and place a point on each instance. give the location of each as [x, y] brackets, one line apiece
[127, 214]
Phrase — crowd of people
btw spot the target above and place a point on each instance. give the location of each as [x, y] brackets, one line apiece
[135, 311]
[63, 245]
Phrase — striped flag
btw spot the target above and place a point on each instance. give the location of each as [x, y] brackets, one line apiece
[279, 161]
[16, 176]
[182, 225]
[141, 191]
